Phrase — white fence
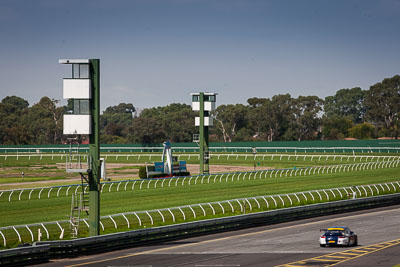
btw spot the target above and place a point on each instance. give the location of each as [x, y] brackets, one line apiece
[149, 218]
[219, 156]
[141, 184]
[298, 149]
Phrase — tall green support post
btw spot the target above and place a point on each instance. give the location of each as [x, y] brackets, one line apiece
[203, 140]
[94, 151]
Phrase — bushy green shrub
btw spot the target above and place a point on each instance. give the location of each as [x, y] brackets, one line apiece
[142, 172]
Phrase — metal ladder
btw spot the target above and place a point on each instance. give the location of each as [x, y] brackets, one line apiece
[79, 203]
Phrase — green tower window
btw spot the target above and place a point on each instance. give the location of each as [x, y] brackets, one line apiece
[210, 98]
[81, 107]
[195, 98]
[80, 71]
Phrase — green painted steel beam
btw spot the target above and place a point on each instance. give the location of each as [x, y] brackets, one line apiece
[203, 140]
[94, 151]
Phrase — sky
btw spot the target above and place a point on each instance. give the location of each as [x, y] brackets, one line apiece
[157, 52]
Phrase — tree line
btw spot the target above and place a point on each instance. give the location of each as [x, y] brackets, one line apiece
[350, 113]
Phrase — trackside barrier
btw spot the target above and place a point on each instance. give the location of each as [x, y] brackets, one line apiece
[100, 244]
[25, 255]
[142, 157]
[212, 148]
[149, 218]
[141, 184]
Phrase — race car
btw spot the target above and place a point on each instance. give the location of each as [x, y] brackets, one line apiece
[338, 236]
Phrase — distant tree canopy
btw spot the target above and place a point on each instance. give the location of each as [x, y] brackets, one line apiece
[354, 113]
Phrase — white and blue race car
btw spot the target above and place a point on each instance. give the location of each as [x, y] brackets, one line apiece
[338, 236]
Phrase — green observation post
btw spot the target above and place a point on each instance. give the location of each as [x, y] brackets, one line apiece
[204, 103]
[82, 122]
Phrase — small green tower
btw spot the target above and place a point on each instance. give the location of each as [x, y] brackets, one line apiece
[204, 103]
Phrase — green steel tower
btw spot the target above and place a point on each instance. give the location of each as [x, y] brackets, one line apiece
[204, 103]
[84, 119]
[94, 151]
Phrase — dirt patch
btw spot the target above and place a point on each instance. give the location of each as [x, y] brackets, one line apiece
[114, 172]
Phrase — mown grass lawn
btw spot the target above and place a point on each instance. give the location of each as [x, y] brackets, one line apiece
[39, 167]
[52, 209]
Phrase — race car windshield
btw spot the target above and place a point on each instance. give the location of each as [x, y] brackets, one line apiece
[334, 233]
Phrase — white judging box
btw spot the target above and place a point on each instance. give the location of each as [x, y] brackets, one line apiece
[77, 88]
[77, 124]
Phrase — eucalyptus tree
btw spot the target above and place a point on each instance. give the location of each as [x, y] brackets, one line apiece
[382, 103]
[346, 103]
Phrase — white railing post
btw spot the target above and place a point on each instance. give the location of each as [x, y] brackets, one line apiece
[33, 239]
[258, 204]
[223, 210]
[127, 182]
[76, 190]
[291, 202]
[66, 193]
[133, 185]
[162, 216]
[9, 197]
[312, 196]
[276, 205]
[47, 232]
[4, 238]
[40, 192]
[173, 216]
[266, 202]
[320, 197]
[140, 221]
[233, 210]
[298, 199]
[87, 224]
[334, 196]
[194, 213]
[126, 219]
[155, 184]
[340, 193]
[212, 208]
[48, 194]
[58, 191]
[283, 202]
[240, 204]
[151, 218]
[204, 212]
[20, 193]
[366, 194]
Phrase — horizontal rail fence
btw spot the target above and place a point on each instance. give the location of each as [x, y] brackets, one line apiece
[265, 149]
[142, 157]
[142, 184]
[151, 218]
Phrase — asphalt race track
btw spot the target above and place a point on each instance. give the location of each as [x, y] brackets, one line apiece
[287, 244]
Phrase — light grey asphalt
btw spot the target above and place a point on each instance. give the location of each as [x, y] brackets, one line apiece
[262, 246]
